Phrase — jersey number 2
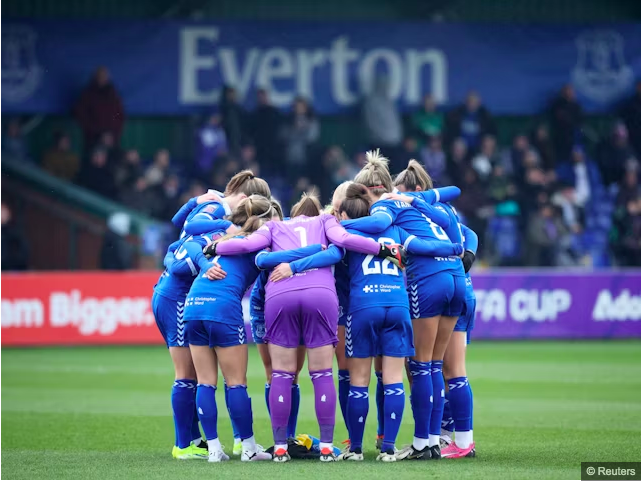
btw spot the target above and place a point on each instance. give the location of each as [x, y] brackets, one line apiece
[386, 268]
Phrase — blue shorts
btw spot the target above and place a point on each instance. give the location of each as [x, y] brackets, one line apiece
[168, 314]
[258, 328]
[465, 323]
[342, 319]
[379, 331]
[441, 294]
[215, 334]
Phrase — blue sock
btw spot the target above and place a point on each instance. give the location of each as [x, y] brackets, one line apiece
[183, 408]
[343, 395]
[267, 392]
[232, 422]
[460, 400]
[195, 433]
[207, 409]
[438, 389]
[394, 406]
[421, 397]
[447, 424]
[469, 388]
[357, 410]
[240, 409]
[295, 410]
[380, 404]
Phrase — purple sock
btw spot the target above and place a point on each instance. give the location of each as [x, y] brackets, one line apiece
[325, 402]
[280, 403]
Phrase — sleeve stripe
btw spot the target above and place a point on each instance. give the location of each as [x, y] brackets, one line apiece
[192, 266]
[438, 195]
[205, 215]
[380, 212]
[409, 239]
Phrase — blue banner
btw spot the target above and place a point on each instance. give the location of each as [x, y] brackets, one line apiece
[170, 67]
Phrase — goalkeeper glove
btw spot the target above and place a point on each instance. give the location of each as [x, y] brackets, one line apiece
[394, 253]
[210, 250]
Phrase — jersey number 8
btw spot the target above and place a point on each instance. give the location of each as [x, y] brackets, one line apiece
[386, 268]
[438, 230]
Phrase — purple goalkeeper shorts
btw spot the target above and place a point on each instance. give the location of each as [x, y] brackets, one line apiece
[310, 315]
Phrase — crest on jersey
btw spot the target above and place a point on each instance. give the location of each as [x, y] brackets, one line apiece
[21, 74]
[260, 330]
[601, 72]
[210, 209]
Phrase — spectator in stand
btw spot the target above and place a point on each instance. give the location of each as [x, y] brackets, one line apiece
[512, 158]
[581, 173]
[631, 113]
[248, 157]
[470, 121]
[614, 153]
[128, 170]
[428, 121]
[211, 145]
[116, 253]
[233, 119]
[302, 185]
[100, 109]
[114, 152]
[626, 234]
[533, 183]
[500, 186]
[630, 187]
[338, 167]
[543, 145]
[433, 156]
[265, 125]
[401, 157]
[566, 117]
[473, 203]
[15, 250]
[170, 197]
[300, 132]
[97, 176]
[13, 142]
[381, 118]
[157, 172]
[458, 160]
[545, 236]
[59, 160]
[142, 198]
[486, 158]
[195, 189]
[573, 216]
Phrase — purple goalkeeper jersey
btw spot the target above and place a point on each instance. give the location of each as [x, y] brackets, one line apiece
[293, 234]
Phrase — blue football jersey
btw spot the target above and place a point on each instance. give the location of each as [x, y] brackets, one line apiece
[220, 300]
[208, 210]
[415, 223]
[175, 281]
[342, 285]
[373, 281]
[453, 228]
[258, 295]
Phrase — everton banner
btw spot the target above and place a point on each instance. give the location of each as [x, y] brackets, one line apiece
[169, 67]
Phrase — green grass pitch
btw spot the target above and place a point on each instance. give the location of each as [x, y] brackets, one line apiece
[104, 413]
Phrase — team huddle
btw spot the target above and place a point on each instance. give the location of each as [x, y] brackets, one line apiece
[378, 279]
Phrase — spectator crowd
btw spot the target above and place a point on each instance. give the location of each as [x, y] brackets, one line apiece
[557, 195]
